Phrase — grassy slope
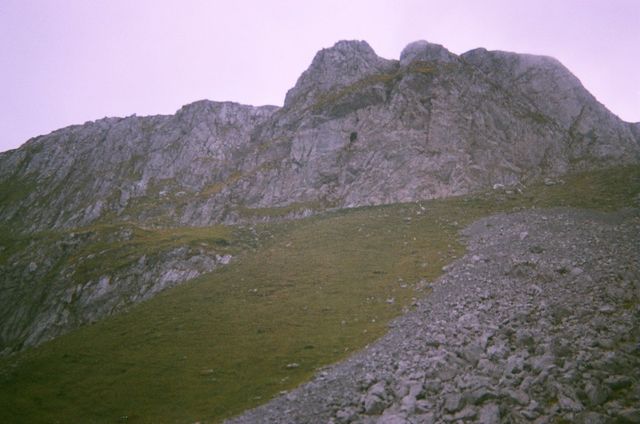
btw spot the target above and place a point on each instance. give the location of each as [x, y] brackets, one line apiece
[110, 251]
[314, 291]
[75, 258]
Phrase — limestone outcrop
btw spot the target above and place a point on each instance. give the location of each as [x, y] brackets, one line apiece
[355, 130]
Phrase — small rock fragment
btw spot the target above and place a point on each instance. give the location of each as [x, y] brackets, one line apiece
[489, 414]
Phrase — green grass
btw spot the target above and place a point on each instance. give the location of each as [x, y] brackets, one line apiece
[312, 292]
[13, 190]
[279, 212]
[102, 248]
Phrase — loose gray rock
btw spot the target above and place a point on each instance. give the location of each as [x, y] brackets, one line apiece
[375, 400]
[490, 414]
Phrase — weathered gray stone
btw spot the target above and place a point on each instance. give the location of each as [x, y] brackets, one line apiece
[427, 418]
[514, 365]
[467, 413]
[524, 338]
[479, 395]
[327, 143]
[432, 386]
[568, 404]
[597, 394]
[517, 396]
[489, 414]
[423, 406]
[591, 418]
[422, 51]
[58, 307]
[630, 415]
[393, 418]
[453, 402]
[408, 404]
[446, 373]
[375, 400]
[546, 387]
[345, 416]
[617, 382]
[472, 353]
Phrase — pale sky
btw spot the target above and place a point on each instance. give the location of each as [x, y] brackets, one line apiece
[65, 62]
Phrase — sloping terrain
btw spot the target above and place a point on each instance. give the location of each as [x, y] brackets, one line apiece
[54, 282]
[331, 215]
[355, 130]
[537, 323]
[313, 291]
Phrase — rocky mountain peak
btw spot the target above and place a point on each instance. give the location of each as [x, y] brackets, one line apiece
[557, 93]
[347, 47]
[356, 129]
[517, 64]
[343, 64]
[424, 51]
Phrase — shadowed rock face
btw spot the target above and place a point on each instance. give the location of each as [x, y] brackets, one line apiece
[356, 129]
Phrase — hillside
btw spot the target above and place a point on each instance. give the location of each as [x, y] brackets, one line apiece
[229, 243]
[522, 329]
[313, 292]
[355, 130]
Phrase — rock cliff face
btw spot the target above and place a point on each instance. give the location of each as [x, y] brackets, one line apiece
[76, 175]
[355, 130]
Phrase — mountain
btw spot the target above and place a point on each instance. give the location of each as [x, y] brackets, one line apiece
[355, 130]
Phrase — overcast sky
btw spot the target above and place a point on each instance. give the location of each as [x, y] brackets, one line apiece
[65, 62]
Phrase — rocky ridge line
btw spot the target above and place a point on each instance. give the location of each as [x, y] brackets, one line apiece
[539, 322]
[355, 130]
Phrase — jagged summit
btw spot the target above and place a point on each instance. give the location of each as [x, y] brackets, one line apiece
[513, 66]
[425, 51]
[346, 47]
[349, 61]
[356, 129]
[343, 64]
[222, 107]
